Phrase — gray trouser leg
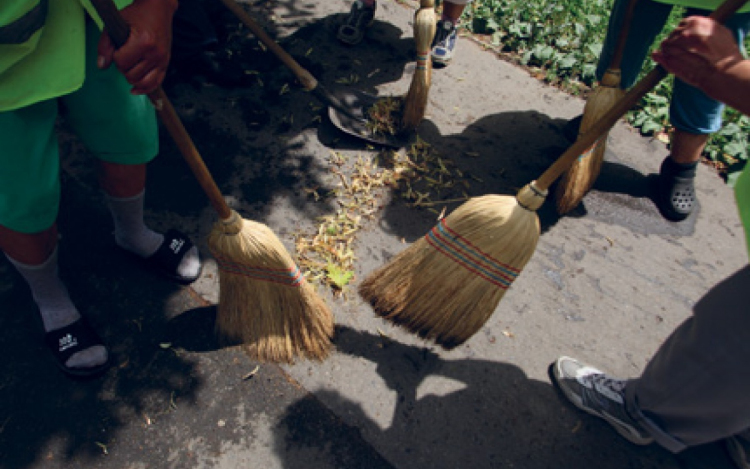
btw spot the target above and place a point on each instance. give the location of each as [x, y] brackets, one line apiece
[696, 388]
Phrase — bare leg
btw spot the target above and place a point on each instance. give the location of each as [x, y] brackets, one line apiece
[122, 181]
[452, 11]
[33, 249]
[686, 147]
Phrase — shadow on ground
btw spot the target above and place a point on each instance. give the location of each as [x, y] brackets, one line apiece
[493, 416]
[502, 152]
[47, 416]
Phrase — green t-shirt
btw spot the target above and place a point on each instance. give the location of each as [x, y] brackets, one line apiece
[742, 194]
[51, 62]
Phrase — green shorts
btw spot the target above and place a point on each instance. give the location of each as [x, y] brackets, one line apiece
[114, 125]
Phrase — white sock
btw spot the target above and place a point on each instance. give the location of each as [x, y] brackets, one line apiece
[55, 306]
[132, 234]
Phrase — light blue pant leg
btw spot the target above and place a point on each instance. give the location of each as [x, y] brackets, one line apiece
[648, 21]
[693, 111]
[696, 388]
[690, 110]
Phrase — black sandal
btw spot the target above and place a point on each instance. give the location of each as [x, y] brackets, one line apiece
[71, 339]
[676, 198]
[167, 258]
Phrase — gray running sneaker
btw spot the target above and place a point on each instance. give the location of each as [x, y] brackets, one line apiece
[360, 18]
[598, 394]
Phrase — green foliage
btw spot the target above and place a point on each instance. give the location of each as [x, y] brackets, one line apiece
[562, 39]
[338, 276]
[559, 37]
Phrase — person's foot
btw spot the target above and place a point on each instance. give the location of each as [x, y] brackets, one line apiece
[676, 195]
[444, 42]
[594, 392]
[175, 257]
[359, 19]
[78, 350]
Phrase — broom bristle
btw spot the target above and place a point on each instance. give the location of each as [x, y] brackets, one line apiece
[578, 180]
[415, 102]
[447, 284]
[265, 303]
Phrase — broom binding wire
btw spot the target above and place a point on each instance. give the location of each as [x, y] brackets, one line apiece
[459, 249]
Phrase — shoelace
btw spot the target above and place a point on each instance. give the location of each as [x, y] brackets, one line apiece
[603, 391]
[442, 33]
[605, 381]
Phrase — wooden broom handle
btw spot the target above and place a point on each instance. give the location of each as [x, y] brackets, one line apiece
[622, 39]
[631, 98]
[119, 31]
[305, 77]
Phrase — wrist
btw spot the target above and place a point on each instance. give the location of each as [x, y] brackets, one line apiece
[731, 85]
[168, 6]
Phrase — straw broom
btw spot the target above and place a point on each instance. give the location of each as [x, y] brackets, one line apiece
[415, 102]
[447, 284]
[577, 181]
[265, 302]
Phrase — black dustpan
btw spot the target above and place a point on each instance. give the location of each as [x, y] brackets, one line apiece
[351, 117]
[347, 111]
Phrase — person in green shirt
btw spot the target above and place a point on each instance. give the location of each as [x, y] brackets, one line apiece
[55, 62]
[696, 388]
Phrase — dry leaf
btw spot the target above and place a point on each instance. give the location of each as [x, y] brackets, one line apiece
[252, 373]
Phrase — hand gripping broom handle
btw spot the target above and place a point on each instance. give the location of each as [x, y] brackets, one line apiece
[588, 139]
[119, 31]
[305, 77]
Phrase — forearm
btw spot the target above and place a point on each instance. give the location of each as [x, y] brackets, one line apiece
[167, 7]
[731, 86]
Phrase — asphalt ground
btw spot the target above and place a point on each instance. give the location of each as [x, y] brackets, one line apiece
[607, 283]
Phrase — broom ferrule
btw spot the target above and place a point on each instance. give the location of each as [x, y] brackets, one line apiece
[232, 224]
[612, 78]
[531, 197]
